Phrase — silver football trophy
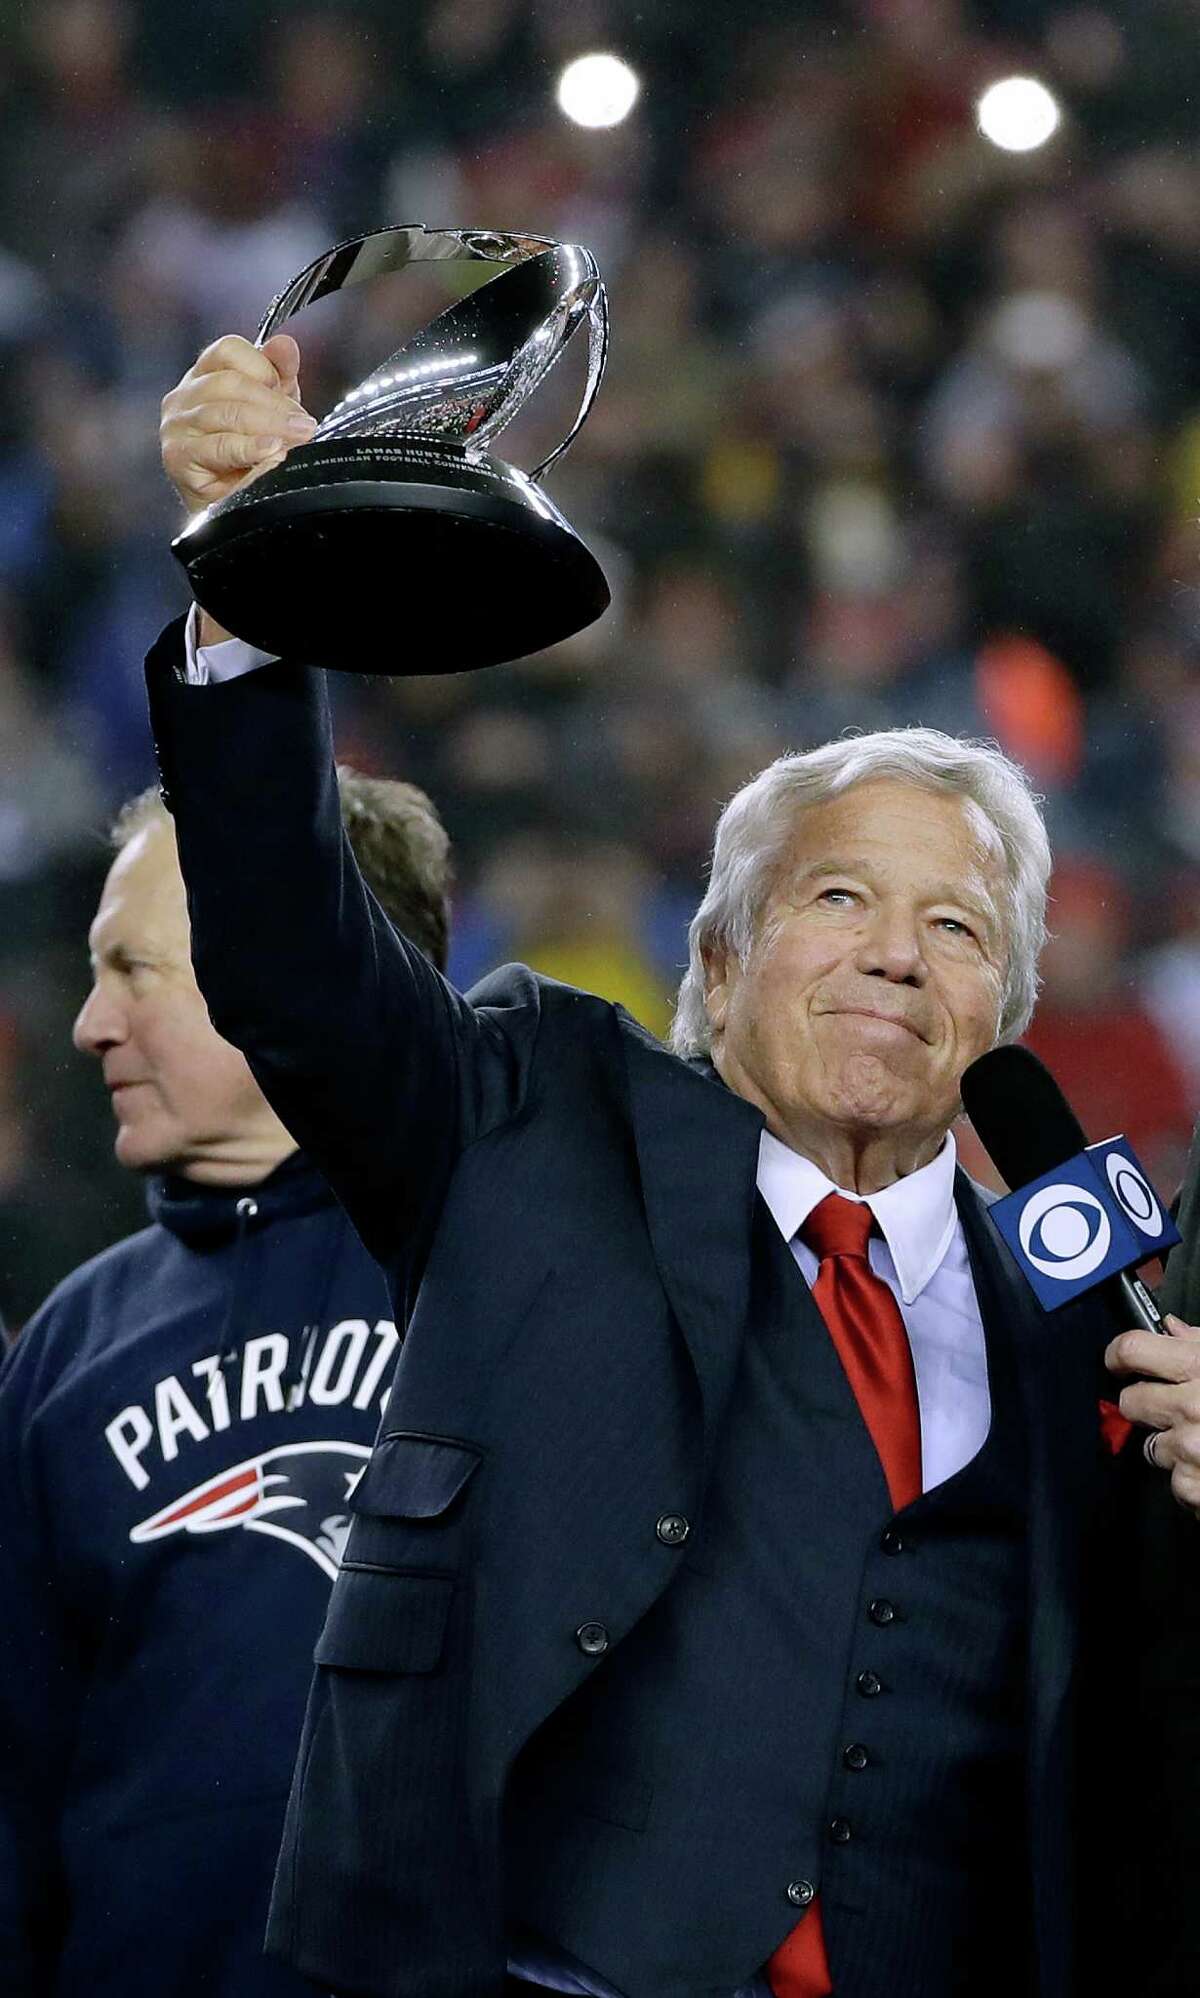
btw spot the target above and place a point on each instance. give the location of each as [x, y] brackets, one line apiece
[393, 542]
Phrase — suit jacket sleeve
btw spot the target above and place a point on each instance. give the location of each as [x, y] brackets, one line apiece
[375, 1064]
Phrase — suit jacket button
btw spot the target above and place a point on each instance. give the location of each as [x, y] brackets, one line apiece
[672, 1529]
[592, 1638]
[869, 1683]
[882, 1612]
[801, 1893]
[839, 1831]
[855, 1756]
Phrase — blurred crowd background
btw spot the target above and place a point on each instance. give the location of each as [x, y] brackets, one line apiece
[898, 427]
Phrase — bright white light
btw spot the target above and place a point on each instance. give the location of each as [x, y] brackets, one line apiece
[1018, 114]
[597, 90]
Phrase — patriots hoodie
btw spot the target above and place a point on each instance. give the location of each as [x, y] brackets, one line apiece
[181, 1426]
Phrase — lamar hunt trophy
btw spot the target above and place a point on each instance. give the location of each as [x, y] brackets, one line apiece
[392, 542]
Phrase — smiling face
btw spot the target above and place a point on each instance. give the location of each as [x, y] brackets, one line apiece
[183, 1097]
[875, 978]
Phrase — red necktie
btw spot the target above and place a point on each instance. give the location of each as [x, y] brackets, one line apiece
[864, 1322]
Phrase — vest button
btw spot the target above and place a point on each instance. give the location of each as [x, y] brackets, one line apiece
[892, 1540]
[855, 1756]
[868, 1683]
[801, 1893]
[592, 1638]
[672, 1529]
[882, 1612]
[839, 1831]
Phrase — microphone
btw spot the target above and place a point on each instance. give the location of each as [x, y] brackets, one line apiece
[1061, 1186]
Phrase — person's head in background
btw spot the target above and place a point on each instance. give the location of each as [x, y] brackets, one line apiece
[1084, 965]
[184, 1099]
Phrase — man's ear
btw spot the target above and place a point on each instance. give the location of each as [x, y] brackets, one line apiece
[721, 968]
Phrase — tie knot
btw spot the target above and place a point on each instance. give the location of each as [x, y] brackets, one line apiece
[838, 1227]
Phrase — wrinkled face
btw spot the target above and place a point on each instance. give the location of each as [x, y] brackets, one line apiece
[183, 1098]
[877, 972]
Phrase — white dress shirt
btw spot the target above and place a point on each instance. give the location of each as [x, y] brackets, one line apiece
[921, 1254]
[226, 661]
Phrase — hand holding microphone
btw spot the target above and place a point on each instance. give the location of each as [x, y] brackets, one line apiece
[1080, 1219]
[1164, 1395]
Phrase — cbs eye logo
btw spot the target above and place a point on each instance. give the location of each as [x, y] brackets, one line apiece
[1135, 1194]
[1065, 1232]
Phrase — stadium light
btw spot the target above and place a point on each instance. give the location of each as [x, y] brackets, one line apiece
[597, 91]
[1018, 114]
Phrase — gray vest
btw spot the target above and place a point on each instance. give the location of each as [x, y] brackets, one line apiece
[826, 1696]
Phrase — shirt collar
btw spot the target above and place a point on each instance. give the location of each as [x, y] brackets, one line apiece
[916, 1215]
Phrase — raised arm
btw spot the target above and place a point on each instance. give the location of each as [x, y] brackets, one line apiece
[378, 1068]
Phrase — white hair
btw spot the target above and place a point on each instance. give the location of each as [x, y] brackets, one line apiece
[755, 828]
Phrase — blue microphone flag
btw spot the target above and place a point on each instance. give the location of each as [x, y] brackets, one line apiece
[1090, 1218]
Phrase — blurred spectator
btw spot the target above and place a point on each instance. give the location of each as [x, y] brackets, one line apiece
[77, 137]
[1094, 1032]
[1170, 979]
[897, 427]
[573, 912]
[49, 801]
[224, 229]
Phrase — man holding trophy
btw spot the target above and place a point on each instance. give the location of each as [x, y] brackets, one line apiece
[719, 1613]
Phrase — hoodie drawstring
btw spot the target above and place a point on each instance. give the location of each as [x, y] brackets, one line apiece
[299, 1366]
[246, 1211]
[294, 1382]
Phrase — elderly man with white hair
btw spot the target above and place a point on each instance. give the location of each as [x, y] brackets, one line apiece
[712, 1620]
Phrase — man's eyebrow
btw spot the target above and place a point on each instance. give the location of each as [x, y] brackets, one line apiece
[836, 863]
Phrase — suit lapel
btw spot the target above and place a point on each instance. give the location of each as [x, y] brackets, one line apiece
[1056, 1356]
[1037, 1343]
[697, 1148]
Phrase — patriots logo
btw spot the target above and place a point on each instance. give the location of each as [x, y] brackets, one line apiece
[308, 1485]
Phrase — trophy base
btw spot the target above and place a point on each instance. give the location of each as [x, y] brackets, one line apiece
[392, 556]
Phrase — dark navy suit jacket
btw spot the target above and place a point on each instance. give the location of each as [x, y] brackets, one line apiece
[564, 1211]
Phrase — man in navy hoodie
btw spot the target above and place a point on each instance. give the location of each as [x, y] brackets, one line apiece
[181, 1426]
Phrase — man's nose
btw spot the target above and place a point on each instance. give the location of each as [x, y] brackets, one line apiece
[891, 947]
[99, 1023]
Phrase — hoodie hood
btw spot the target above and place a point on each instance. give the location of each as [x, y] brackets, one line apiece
[209, 1217]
